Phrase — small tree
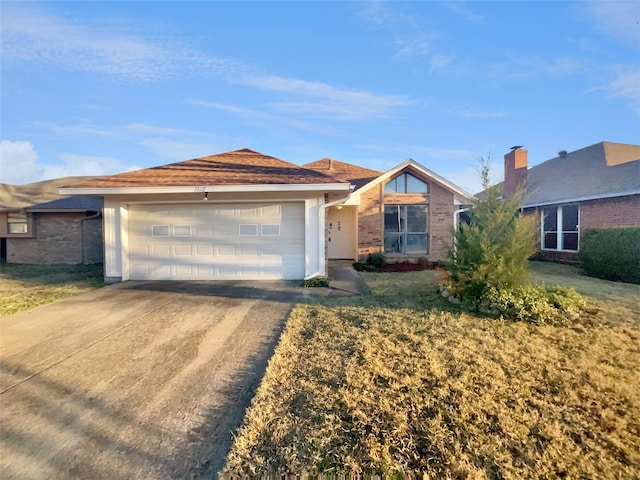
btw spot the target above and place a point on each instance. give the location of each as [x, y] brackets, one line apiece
[493, 249]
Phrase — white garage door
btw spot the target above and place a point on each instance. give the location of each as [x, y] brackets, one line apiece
[216, 241]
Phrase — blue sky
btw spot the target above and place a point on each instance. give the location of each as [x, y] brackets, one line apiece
[91, 88]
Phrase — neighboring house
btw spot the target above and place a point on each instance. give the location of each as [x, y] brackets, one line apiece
[592, 188]
[39, 226]
[245, 215]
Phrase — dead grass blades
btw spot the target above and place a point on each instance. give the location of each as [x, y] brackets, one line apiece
[26, 286]
[412, 390]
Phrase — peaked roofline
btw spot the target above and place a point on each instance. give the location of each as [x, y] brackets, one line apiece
[242, 170]
[420, 168]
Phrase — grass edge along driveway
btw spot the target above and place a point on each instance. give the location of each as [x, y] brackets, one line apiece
[403, 383]
[25, 286]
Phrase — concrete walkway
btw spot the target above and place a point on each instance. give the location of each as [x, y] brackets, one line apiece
[343, 278]
[343, 281]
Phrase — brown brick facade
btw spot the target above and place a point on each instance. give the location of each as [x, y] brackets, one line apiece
[440, 220]
[60, 238]
[610, 213]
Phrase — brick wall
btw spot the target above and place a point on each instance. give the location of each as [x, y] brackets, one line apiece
[440, 222]
[60, 238]
[610, 213]
[441, 210]
[370, 222]
[594, 214]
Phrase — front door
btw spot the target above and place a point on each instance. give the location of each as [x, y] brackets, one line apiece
[341, 228]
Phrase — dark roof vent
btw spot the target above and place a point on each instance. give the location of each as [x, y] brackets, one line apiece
[562, 153]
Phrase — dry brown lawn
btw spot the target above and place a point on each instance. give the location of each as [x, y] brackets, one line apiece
[26, 286]
[401, 383]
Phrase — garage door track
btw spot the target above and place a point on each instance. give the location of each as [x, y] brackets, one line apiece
[135, 380]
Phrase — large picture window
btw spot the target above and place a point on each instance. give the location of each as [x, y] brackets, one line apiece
[406, 183]
[560, 228]
[405, 229]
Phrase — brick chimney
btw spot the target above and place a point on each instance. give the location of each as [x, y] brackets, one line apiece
[515, 171]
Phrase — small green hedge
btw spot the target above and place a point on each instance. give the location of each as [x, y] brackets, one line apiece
[612, 254]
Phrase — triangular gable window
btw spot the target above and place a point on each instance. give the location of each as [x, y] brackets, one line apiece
[406, 183]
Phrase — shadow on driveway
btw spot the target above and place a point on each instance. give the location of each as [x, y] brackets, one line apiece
[135, 380]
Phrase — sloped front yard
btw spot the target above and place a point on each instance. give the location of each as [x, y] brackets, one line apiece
[401, 382]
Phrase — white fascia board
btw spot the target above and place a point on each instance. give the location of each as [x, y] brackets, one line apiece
[424, 170]
[314, 187]
[581, 199]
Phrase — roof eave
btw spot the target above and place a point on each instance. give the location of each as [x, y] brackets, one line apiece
[581, 199]
[298, 187]
[62, 210]
[412, 163]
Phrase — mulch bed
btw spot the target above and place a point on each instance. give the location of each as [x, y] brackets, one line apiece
[410, 267]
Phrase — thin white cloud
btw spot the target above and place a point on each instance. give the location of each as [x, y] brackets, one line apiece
[408, 32]
[20, 163]
[85, 129]
[177, 150]
[75, 164]
[320, 100]
[617, 19]
[263, 118]
[234, 109]
[147, 129]
[627, 86]
[518, 67]
[462, 9]
[33, 34]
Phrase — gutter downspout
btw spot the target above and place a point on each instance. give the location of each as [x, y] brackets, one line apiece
[323, 233]
[82, 220]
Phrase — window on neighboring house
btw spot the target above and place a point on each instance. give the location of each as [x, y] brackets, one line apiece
[406, 183]
[17, 223]
[405, 229]
[560, 228]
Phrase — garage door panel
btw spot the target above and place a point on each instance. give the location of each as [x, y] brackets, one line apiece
[204, 250]
[182, 250]
[252, 241]
[161, 250]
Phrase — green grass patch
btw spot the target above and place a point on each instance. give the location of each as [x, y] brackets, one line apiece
[401, 383]
[24, 286]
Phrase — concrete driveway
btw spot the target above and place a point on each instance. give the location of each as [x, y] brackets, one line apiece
[135, 380]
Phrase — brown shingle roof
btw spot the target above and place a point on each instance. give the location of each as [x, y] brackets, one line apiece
[240, 167]
[346, 172]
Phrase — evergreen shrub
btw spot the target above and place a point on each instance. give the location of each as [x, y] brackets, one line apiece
[611, 254]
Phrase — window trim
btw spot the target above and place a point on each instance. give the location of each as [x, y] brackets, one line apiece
[405, 176]
[559, 230]
[158, 235]
[262, 230]
[404, 234]
[29, 224]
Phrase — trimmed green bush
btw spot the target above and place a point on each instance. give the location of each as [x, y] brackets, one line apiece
[611, 254]
[534, 304]
[364, 267]
[316, 282]
[376, 259]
